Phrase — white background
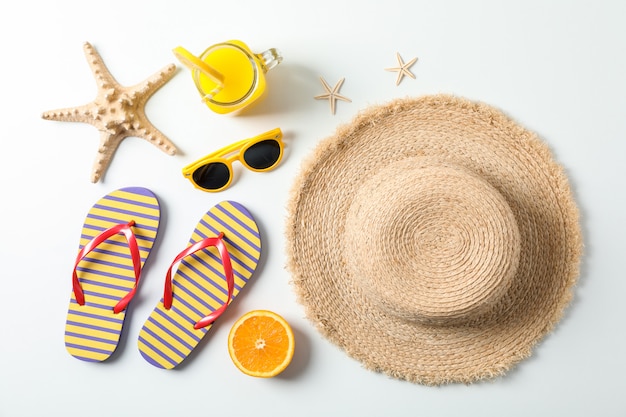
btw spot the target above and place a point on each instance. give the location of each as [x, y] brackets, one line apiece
[557, 67]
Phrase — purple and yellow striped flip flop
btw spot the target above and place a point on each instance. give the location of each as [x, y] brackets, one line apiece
[222, 255]
[118, 234]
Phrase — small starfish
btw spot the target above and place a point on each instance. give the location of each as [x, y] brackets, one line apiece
[402, 68]
[332, 94]
[117, 112]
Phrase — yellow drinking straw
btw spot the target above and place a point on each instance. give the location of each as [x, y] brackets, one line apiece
[194, 63]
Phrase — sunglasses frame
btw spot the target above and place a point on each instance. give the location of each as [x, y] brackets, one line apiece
[240, 147]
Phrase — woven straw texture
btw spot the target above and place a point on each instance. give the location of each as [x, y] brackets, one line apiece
[434, 240]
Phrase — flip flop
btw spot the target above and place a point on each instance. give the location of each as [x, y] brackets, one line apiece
[117, 236]
[221, 257]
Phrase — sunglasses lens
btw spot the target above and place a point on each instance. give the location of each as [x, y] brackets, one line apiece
[212, 176]
[262, 155]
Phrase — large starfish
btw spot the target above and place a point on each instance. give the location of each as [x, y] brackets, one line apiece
[402, 68]
[332, 94]
[117, 111]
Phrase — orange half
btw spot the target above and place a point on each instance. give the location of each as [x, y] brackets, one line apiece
[261, 344]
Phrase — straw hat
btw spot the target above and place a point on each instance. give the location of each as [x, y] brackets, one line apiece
[434, 240]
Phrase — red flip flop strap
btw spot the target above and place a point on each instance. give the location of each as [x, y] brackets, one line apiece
[217, 242]
[126, 229]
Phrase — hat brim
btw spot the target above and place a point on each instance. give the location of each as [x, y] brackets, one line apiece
[484, 140]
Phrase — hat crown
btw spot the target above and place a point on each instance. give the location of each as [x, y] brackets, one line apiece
[433, 242]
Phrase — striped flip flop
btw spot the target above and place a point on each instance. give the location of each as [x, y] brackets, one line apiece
[222, 254]
[118, 234]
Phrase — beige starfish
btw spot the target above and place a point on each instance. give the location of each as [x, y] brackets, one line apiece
[332, 94]
[117, 112]
[402, 68]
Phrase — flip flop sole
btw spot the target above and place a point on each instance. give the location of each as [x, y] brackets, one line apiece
[168, 336]
[92, 331]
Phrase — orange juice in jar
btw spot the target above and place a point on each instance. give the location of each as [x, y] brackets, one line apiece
[228, 75]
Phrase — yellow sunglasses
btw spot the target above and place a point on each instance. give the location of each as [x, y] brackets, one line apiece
[214, 172]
